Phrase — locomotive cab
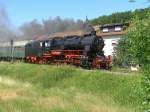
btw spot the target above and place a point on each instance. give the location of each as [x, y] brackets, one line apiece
[46, 45]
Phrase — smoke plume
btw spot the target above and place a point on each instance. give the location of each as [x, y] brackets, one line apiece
[50, 26]
[5, 30]
[35, 28]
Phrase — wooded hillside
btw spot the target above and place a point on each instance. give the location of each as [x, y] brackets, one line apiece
[120, 17]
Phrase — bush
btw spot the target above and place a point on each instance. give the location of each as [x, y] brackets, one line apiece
[138, 37]
[123, 57]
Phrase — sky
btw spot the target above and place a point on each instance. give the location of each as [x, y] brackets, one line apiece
[22, 11]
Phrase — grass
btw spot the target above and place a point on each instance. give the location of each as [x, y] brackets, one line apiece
[44, 88]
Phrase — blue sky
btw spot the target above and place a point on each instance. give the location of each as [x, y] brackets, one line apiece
[21, 11]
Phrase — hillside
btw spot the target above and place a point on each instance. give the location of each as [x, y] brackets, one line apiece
[43, 88]
[120, 17]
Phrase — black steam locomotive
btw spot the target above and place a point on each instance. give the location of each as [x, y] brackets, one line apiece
[85, 51]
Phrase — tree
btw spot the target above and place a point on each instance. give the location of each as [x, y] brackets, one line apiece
[123, 56]
[120, 17]
[139, 36]
[137, 44]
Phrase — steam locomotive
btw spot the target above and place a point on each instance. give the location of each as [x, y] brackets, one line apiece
[85, 51]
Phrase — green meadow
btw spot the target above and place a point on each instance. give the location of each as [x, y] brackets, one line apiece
[47, 88]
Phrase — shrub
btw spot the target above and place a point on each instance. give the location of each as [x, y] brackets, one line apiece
[138, 37]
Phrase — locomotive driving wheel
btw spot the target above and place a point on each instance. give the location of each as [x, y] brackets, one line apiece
[42, 61]
[85, 63]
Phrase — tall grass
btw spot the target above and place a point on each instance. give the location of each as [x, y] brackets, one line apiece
[68, 89]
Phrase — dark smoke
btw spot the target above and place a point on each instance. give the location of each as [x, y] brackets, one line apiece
[5, 27]
[35, 28]
[60, 25]
[3, 16]
[50, 26]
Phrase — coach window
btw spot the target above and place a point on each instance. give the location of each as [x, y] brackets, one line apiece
[41, 44]
[49, 43]
[46, 44]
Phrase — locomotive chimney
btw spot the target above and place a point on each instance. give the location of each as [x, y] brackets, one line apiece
[88, 28]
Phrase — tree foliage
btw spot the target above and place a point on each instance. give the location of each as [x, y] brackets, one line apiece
[120, 17]
[123, 56]
[136, 45]
[139, 37]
